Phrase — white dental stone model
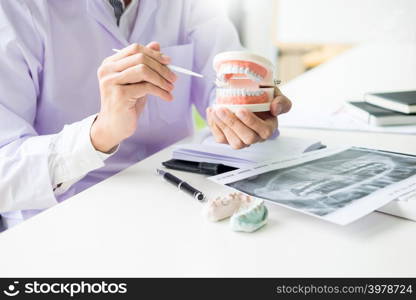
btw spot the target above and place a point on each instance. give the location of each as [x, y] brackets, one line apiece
[244, 80]
[247, 214]
[222, 207]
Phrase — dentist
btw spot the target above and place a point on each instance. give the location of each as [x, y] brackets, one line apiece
[63, 128]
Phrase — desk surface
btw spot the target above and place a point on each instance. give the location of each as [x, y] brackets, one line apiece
[135, 224]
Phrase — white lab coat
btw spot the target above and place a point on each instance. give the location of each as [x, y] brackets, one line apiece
[49, 53]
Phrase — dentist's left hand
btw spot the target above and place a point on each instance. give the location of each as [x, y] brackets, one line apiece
[125, 79]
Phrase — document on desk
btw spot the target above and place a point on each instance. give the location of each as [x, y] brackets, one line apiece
[212, 152]
[404, 205]
[336, 118]
[340, 185]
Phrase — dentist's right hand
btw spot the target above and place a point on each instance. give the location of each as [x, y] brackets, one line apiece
[125, 79]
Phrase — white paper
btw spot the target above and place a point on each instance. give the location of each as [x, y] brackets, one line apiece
[404, 205]
[211, 152]
[338, 185]
[336, 118]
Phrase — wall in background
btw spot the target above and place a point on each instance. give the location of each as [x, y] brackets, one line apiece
[345, 21]
[254, 20]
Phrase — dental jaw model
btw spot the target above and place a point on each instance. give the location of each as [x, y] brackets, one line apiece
[247, 214]
[244, 80]
[250, 216]
[222, 207]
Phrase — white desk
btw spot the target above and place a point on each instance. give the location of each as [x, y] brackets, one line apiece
[135, 224]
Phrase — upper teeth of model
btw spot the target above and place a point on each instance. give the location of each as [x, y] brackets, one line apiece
[237, 92]
[233, 69]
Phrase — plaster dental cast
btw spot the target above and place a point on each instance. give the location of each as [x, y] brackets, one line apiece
[73, 112]
[246, 214]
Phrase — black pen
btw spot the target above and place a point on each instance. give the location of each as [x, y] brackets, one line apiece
[182, 185]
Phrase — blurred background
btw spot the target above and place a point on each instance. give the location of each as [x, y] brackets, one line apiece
[299, 35]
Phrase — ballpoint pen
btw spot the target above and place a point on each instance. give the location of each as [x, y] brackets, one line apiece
[182, 185]
[176, 69]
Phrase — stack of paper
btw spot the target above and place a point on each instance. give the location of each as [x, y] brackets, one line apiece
[336, 119]
[211, 152]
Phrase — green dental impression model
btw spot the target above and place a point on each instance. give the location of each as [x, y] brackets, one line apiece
[251, 216]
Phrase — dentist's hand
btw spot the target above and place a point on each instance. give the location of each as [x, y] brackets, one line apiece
[125, 79]
[245, 128]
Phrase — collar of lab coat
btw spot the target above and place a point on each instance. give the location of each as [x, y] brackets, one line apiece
[99, 12]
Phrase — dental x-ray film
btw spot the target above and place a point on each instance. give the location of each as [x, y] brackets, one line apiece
[338, 185]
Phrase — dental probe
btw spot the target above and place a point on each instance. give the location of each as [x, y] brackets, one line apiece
[176, 69]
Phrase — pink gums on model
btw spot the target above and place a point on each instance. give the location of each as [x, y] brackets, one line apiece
[242, 87]
[255, 68]
[243, 99]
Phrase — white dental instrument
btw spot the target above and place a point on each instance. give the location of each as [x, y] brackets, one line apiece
[177, 69]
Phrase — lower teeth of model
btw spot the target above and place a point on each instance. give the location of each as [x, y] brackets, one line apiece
[235, 93]
[231, 69]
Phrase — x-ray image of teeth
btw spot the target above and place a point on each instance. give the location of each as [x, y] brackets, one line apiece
[325, 185]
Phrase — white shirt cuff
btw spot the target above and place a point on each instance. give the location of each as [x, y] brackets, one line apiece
[75, 153]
